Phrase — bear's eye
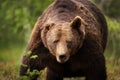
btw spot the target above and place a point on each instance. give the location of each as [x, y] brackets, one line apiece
[69, 44]
[56, 41]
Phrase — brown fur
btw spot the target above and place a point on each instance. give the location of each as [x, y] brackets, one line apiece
[88, 29]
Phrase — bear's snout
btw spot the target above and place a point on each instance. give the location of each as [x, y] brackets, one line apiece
[62, 57]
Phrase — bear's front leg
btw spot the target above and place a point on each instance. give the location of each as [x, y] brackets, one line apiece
[53, 76]
[100, 76]
[96, 72]
[24, 66]
[30, 67]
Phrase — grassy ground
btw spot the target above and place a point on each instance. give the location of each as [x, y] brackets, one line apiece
[10, 60]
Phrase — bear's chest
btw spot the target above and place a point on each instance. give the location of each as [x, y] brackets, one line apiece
[71, 68]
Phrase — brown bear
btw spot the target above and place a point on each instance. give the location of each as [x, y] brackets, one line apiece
[69, 40]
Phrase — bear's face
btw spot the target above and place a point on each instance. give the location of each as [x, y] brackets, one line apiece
[64, 39]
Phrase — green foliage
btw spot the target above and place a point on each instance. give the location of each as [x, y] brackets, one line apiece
[28, 53]
[31, 75]
[18, 18]
[24, 65]
[113, 47]
[110, 7]
[34, 56]
[24, 78]
[114, 9]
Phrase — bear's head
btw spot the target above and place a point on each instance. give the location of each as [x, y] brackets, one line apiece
[63, 39]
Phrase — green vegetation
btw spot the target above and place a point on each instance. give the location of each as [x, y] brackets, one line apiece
[17, 20]
[110, 7]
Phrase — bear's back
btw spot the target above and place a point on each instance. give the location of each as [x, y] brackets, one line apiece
[67, 10]
[100, 19]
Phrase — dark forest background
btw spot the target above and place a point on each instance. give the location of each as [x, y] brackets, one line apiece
[17, 18]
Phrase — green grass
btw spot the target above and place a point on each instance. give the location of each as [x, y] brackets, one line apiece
[113, 69]
[9, 62]
[10, 59]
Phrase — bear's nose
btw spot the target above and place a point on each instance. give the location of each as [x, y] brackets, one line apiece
[62, 57]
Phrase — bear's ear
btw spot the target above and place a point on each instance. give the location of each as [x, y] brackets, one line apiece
[44, 32]
[76, 23]
[79, 24]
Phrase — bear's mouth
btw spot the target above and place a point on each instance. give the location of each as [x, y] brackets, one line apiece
[62, 58]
